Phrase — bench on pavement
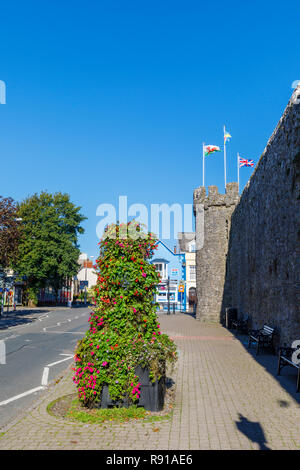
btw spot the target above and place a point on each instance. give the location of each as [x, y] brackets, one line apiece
[262, 338]
[285, 358]
[241, 324]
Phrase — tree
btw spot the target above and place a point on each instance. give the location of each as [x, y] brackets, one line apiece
[124, 332]
[9, 232]
[48, 250]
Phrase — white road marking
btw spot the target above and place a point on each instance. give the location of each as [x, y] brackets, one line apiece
[2, 352]
[66, 332]
[29, 392]
[45, 376]
[43, 383]
[62, 360]
[10, 337]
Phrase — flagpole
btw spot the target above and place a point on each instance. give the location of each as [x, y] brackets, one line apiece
[203, 163]
[224, 158]
[238, 169]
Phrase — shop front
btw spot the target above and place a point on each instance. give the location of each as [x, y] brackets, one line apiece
[170, 295]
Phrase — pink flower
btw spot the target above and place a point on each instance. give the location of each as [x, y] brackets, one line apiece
[134, 310]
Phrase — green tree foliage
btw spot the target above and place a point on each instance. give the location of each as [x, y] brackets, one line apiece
[9, 232]
[124, 331]
[48, 250]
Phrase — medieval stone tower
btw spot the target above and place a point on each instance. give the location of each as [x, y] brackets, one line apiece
[213, 216]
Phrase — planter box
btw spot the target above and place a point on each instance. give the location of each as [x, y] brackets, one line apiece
[151, 398]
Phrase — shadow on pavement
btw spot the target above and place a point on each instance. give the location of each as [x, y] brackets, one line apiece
[191, 314]
[288, 376]
[177, 312]
[25, 315]
[253, 431]
[19, 317]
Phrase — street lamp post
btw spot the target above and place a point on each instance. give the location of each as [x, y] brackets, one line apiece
[85, 293]
[85, 283]
[168, 295]
[2, 284]
[8, 281]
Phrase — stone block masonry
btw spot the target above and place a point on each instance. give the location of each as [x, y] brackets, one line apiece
[263, 262]
[251, 253]
[211, 258]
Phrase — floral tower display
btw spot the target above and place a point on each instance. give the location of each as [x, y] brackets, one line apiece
[122, 358]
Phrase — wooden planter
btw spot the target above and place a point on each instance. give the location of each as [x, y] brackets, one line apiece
[151, 398]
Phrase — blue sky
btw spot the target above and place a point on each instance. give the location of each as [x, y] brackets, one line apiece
[109, 98]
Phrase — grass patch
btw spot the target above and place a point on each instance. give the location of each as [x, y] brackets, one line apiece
[70, 408]
[98, 416]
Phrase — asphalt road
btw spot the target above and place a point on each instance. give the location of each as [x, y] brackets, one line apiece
[35, 354]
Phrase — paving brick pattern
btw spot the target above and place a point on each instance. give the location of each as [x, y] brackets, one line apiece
[225, 398]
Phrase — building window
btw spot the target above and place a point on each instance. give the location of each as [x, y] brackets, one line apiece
[192, 272]
[162, 269]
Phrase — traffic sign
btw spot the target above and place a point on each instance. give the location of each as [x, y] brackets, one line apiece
[83, 284]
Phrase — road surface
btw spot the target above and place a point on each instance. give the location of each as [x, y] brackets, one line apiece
[34, 354]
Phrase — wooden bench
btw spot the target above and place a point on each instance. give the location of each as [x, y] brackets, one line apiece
[241, 324]
[285, 359]
[263, 338]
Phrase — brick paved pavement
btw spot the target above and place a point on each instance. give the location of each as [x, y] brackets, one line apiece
[225, 399]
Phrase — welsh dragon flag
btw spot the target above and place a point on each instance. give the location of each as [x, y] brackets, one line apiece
[209, 149]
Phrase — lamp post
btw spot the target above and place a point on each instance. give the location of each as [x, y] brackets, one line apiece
[6, 282]
[85, 296]
[168, 295]
[2, 285]
[85, 282]
[183, 294]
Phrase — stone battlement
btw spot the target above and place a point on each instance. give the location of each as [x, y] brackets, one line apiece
[214, 198]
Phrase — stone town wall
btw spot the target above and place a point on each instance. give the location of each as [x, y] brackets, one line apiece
[263, 261]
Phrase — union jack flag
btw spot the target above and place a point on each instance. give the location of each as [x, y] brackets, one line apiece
[244, 162]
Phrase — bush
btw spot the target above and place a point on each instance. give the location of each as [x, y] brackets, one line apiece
[124, 330]
[32, 297]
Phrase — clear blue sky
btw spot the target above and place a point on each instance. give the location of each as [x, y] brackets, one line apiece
[109, 98]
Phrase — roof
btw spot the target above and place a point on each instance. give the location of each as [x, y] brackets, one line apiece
[184, 239]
